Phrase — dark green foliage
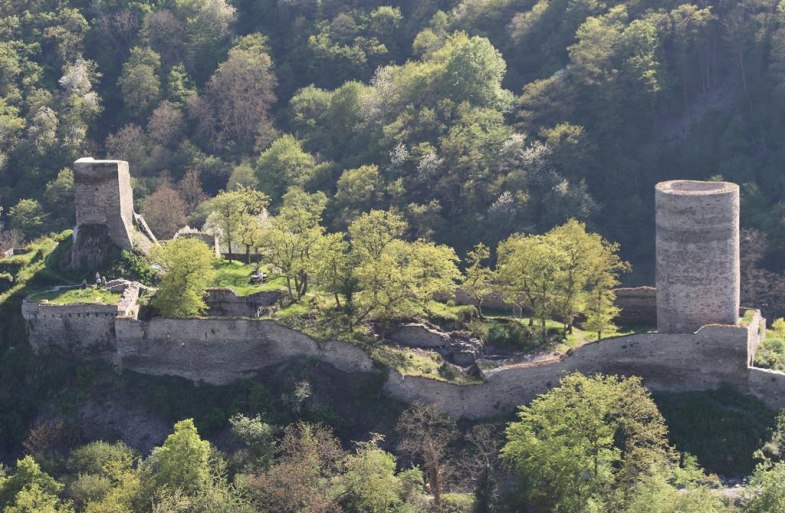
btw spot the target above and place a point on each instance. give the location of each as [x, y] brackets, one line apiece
[509, 334]
[722, 428]
[133, 266]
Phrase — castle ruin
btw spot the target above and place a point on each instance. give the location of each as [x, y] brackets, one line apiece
[700, 344]
[698, 270]
[105, 217]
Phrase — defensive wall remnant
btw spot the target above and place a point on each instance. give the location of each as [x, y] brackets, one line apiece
[698, 276]
[103, 200]
[700, 345]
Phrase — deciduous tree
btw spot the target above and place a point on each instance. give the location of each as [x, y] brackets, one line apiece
[186, 265]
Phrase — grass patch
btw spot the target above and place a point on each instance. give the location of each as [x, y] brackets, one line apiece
[237, 276]
[722, 428]
[89, 295]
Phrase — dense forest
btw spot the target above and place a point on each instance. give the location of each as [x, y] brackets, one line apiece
[474, 119]
[466, 135]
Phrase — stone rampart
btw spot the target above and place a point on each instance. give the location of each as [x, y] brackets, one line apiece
[76, 328]
[225, 303]
[666, 362]
[219, 351]
[638, 306]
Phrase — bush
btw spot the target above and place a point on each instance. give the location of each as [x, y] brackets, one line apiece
[134, 266]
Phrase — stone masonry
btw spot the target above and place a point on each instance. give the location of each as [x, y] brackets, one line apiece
[103, 200]
[698, 277]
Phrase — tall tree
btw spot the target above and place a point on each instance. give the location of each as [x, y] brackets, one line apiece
[186, 265]
[426, 435]
[235, 108]
[576, 445]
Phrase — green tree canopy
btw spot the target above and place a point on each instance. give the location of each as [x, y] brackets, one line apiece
[574, 446]
[186, 265]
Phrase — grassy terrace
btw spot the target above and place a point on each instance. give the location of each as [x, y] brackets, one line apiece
[237, 276]
[89, 295]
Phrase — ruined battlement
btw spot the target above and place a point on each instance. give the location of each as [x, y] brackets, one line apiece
[222, 350]
[103, 201]
[700, 344]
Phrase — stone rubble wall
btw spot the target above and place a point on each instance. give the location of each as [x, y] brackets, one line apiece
[77, 328]
[223, 302]
[674, 363]
[638, 306]
[219, 351]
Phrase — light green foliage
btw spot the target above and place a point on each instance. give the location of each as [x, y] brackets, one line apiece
[771, 352]
[396, 278]
[229, 211]
[181, 463]
[284, 164]
[331, 266]
[478, 280]
[217, 496]
[564, 273]
[656, 494]
[108, 480]
[237, 276]
[473, 72]
[767, 492]
[290, 240]
[528, 267]
[370, 483]
[242, 177]
[565, 445]
[359, 190]
[187, 267]
[372, 232]
[28, 216]
[30, 490]
[59, 194]
[178, 86]
[259, 439]
[79, 296]
[33, 499]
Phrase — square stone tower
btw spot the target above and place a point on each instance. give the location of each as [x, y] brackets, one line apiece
[103, 200]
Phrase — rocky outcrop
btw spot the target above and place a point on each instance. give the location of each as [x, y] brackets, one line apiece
[457, 347]
[222, 302]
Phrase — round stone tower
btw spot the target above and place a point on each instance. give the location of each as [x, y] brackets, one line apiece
[698, 280]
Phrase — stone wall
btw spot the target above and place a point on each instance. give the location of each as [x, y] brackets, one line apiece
[219, 351]
[225, 303]
[666, 362]
[638, 306]
[80, 329]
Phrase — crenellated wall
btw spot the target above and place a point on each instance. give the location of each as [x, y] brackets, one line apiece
[77, 328]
